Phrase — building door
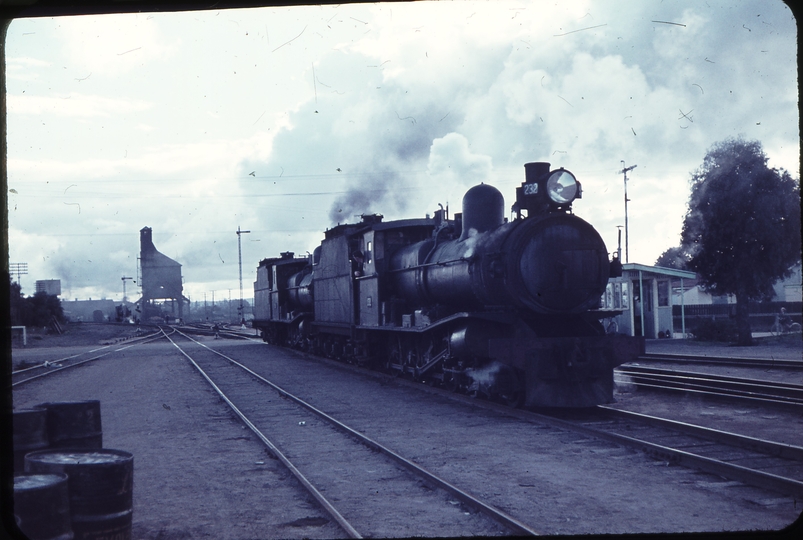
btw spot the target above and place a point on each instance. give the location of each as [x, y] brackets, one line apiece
[643, 306]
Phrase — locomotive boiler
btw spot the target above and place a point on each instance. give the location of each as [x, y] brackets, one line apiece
[478, 303]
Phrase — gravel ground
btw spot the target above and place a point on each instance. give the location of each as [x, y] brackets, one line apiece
[74, 334]
[773, 423]
[200, 474]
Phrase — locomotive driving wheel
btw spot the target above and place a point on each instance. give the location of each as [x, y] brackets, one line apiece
[394, 358]
[508, 388]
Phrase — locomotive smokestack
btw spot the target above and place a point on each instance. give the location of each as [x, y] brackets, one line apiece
[534, 171]
[483, 209]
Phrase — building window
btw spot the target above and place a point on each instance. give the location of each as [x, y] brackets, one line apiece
[625, 296]
[663, 294]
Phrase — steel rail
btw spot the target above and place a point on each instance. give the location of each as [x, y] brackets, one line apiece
[81, 362]
[47, 363]
[714, 385]
[709, 393]
[792, 387]
[788, 451]
[737, 385]
[328, 507]
[688, 459]
[512, 523]
[721, 360]
[726, 470]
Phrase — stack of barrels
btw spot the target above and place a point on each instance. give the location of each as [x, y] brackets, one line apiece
[66, 485]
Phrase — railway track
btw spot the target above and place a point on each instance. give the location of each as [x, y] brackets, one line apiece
[372, 479]
[753, 461]
[49, 367]
[225, 331]
[765, 464]
[723, 361]
[760, 391]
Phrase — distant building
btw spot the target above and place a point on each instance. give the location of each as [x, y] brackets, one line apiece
[791, 288]
[84, 310]
[49, 286]
[692, 293]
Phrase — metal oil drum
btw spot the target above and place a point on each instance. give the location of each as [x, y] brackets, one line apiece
[41, 506]
[74, 424]
[29, 434]
[101, 489]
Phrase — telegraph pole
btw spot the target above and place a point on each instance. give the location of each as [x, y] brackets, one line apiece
[240, 254]
[124, 280]
[19, 269]
[624, 171]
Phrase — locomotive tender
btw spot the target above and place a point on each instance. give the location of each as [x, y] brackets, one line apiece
[480, 304]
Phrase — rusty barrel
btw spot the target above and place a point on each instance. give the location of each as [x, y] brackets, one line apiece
[29, 434]
[41, 506]
[101, 488]
[74, 424]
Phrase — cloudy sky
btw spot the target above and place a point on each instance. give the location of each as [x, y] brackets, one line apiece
[286, 121]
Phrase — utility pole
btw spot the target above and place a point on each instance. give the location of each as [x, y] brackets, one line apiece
[124, 280]
[240, 254]
[627, 238]
[19, 269]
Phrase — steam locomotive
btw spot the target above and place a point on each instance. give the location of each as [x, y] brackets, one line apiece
[506, 309]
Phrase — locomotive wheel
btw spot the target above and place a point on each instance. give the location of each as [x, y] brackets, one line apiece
[393, 357]
[513, 399]
[508, 389]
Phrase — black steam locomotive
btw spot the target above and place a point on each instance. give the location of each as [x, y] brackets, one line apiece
[480, 304]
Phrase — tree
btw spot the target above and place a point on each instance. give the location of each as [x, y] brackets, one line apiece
[44, 307]
[20, 311]
[36, 310]
[742, 227]
[675, 257]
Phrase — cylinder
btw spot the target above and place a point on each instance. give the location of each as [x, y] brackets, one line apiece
[473, 339]
[29, 434]
[101, 488]
[74, 424]
[41, 506]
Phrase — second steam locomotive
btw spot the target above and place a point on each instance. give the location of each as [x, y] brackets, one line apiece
[477, 303]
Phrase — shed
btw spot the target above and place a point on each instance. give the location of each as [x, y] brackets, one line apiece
[652, 317]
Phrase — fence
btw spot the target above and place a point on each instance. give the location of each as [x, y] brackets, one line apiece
[762, 314]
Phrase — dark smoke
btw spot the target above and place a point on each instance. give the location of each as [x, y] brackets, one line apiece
[368, 196]
[402, 145]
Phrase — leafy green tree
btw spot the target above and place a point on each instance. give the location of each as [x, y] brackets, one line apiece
[19, 307]
[36, 310]
[43, 307]
[675, 257]
[742, 227]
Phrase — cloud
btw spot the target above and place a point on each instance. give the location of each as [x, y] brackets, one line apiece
[74, 105]
[388, 108]
[115, 44]
[451, 162]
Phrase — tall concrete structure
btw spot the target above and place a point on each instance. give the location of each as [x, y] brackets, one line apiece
[160, 278]
[49, 286]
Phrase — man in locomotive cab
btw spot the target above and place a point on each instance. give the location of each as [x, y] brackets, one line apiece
[357, 260]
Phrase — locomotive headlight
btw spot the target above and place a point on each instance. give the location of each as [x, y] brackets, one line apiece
[562, 187]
